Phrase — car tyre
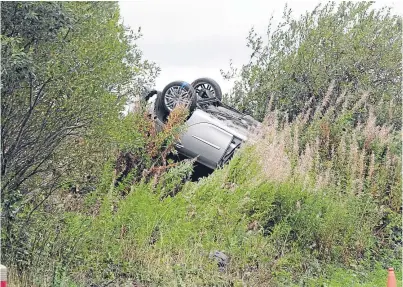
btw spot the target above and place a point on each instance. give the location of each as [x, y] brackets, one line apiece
[178, 92]
[202, 84]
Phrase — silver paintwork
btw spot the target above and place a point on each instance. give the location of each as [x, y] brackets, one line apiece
[207, 142]
[211, 133]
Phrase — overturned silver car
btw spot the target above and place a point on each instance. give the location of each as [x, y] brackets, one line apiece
[214, 130]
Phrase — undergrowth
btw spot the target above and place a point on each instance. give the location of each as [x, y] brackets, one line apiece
[309, 204]
[275, 234]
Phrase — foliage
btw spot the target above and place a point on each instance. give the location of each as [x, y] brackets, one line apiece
[316, 201]
[67, 70]
[274, 233]
[282, 212]
[45, 233]
[350, 44]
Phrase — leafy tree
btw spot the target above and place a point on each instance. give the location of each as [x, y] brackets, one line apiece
[350, 45]
[68, 69]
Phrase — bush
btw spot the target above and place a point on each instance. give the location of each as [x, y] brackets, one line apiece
[351, 45]
[281, 233]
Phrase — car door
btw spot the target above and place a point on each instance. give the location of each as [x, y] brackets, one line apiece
[206, 141]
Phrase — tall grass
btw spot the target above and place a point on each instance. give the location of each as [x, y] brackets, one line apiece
[336, 148]
[309, 203]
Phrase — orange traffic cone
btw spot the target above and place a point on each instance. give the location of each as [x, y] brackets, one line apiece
[391, 278]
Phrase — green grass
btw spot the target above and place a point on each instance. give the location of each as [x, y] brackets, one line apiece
[276, 234]
[340, 277]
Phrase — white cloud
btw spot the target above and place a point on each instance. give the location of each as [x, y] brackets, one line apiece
[189, 39]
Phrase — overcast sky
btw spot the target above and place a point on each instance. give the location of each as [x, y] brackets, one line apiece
[189, 39]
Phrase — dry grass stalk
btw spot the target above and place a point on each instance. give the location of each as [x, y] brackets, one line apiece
[350, 166]
[325, 102]
[361, 172]
[275, 162]
[360, 102]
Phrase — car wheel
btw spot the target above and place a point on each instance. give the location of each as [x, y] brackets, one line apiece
[179, 93]
[207, 88]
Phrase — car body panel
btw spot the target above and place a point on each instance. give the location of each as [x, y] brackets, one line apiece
[205, 141]
[212, 133]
